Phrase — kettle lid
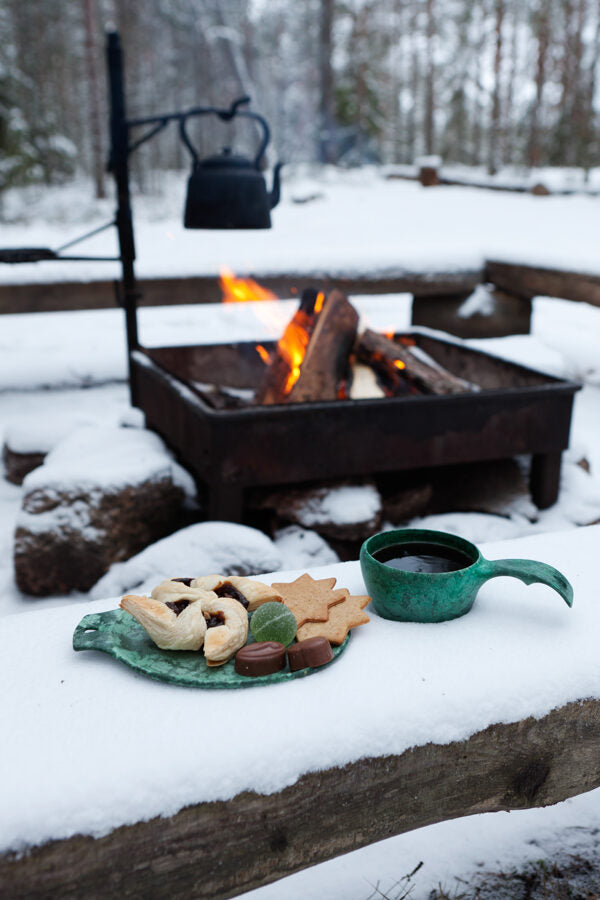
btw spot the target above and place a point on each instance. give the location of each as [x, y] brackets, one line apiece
[226, 160]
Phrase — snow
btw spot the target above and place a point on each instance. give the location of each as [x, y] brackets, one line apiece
[451, 852]
[40, 436]
[340, 505]
[300, 547]
[97, 457]
[80, 357]
[512, 639]
[409, 228]
[199, 549]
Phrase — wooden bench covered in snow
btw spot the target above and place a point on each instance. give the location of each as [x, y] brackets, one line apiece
[115, 785]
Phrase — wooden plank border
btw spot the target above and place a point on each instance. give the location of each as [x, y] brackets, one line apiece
[535, 281]
[218, 850]
[54, 297]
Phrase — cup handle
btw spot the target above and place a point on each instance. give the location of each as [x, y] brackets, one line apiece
[529, 571]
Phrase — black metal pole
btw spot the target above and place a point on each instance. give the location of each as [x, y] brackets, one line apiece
[119, 166]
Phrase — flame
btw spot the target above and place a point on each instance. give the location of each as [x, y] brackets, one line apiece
[399, 364]
[242, 290]
[294, 340]
[389, 334]
[263, 353]
[292, 347]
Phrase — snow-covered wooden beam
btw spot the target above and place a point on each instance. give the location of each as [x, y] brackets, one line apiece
[533, 281]
[22, 298]
[219, 850]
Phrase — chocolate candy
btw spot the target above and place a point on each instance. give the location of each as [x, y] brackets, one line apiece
[313, 652]
[262, 658]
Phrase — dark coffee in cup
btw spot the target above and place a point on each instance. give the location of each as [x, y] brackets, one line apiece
[420, 557]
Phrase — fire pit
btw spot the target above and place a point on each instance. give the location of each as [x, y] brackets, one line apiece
[515, 411]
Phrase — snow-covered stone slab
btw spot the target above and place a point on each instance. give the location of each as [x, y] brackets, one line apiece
[110, 736]
[102, 494]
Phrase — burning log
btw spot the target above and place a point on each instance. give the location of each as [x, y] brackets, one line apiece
[402, 370]
[290, 350]
[326, 359]
[312, 356]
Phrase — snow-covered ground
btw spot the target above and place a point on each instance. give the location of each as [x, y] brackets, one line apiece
[359, 223]
[66, 368]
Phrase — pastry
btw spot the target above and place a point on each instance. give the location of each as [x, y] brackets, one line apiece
[168, 629]
[222, 641]
[175, 589]
[251, 594]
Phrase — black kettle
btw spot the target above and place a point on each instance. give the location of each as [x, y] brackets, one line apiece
[226, 190]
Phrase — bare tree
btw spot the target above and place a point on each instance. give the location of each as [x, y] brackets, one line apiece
[495, 136]
[429, 121]
[90, 12]
[541, 23]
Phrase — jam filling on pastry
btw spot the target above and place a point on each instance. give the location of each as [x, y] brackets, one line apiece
[217, 618]
[177, 606]
[186, 581]
[228, 590]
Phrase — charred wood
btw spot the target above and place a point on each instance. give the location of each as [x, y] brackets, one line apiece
[403, 368]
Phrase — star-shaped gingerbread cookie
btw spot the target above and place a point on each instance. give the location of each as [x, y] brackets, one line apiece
[342, 618]
[310, 600]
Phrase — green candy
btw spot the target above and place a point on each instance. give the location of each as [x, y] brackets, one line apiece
[274, 622]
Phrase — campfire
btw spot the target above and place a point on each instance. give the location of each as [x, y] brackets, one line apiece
[332, 399]
[324, 354]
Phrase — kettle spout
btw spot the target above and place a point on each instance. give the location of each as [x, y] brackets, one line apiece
[275, 194]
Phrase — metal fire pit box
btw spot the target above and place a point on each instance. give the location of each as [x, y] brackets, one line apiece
[517, 411]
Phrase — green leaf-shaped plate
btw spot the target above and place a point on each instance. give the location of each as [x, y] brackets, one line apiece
[116, 633]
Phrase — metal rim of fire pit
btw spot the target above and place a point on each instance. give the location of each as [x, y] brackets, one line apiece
[231, 450]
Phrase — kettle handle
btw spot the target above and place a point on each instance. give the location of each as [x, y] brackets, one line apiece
[226, 115]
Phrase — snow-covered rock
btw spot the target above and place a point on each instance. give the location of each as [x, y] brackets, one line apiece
[199, 549]
[102, 494]
[302, 548]
[339, 511]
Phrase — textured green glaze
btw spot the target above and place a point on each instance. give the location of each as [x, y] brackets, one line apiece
[436, 597]
[116, 633]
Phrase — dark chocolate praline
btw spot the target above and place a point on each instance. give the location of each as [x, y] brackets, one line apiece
[261, 658]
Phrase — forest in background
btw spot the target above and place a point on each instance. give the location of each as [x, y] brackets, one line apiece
[480, 82]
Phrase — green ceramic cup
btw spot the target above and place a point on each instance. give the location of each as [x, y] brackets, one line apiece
[437, 597]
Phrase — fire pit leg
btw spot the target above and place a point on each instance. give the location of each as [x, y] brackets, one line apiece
[544, 478]
[225, 501]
